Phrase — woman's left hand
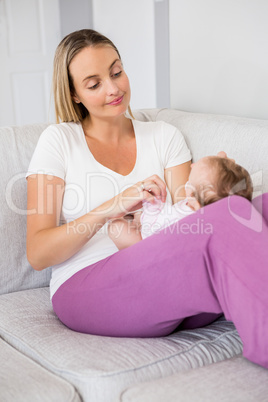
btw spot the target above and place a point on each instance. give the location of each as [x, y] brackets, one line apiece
[148, 190]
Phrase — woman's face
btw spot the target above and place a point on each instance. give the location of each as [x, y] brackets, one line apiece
[100, 81]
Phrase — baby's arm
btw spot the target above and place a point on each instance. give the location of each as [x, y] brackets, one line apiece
[124, 232]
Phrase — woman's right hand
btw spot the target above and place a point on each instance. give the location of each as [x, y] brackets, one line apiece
[48, 243]
[131, 199]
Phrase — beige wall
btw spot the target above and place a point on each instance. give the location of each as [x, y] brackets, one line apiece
[219, 57]
[130, 24]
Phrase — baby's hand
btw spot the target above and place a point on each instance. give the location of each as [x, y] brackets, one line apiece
[223, 154]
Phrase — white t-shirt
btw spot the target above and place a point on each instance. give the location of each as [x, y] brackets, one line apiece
[156, 217]
[62, 151]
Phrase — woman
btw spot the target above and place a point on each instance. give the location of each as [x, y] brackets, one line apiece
[98, 165]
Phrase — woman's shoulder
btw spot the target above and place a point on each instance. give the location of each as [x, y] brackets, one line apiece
[155, 128]
[152, 124]
[61, 131]
[160, 132]
[69, 127]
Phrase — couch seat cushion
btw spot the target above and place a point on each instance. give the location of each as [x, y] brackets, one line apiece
[102, 367]
[235, 380]
[21, 379]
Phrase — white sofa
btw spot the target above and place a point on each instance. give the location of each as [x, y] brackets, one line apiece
[42, 360]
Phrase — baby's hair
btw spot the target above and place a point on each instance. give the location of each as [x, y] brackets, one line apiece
[229, 179]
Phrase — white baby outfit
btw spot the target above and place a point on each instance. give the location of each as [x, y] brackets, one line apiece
[158, 216]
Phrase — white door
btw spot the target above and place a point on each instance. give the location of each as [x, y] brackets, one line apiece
[29, 35]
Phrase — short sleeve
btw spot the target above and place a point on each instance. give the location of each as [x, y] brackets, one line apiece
[48, 157]
[173, 149]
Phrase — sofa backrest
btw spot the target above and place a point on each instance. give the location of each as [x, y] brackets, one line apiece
[245, 140]
[16, 147]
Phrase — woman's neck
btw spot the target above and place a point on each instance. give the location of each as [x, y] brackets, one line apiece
[107, 129]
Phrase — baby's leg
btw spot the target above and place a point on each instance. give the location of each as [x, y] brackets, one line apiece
[123, 233]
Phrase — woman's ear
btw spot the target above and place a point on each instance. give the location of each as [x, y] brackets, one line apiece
[75, 98]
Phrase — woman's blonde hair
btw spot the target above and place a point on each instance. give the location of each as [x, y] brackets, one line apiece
[66, 109]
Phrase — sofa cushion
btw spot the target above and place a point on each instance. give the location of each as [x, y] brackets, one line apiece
[17, 145]
[21, 379]
[100, 368]
[235, 379]
[206, 134]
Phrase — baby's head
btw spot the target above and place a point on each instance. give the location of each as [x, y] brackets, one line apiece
[216, 177]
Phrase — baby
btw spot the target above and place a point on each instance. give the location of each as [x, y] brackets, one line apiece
[211, 179]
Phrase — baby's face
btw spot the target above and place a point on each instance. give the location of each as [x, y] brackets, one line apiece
[201, 173]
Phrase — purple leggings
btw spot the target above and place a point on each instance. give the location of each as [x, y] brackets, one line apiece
[214, 261]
